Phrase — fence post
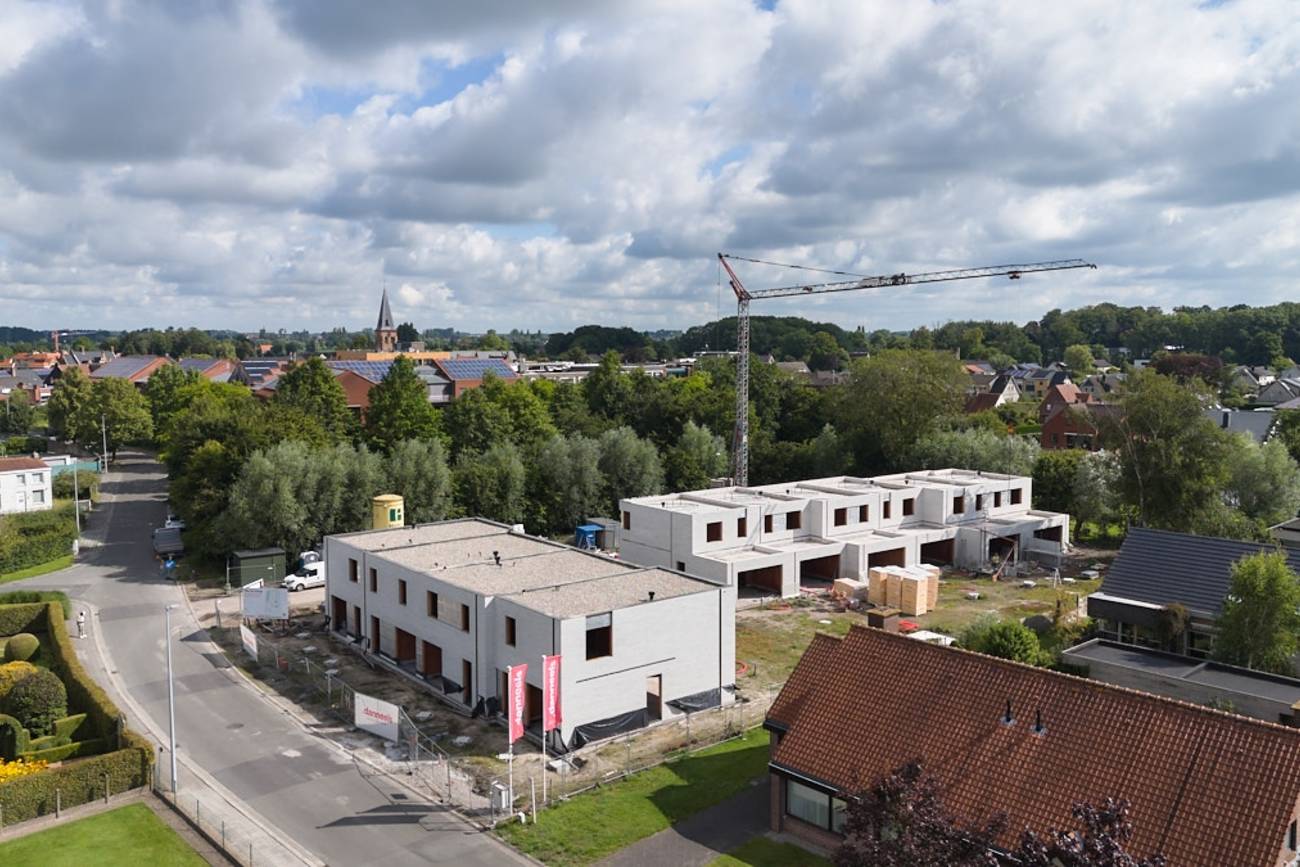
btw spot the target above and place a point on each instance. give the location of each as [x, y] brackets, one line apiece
[58, 802]
[198, 820]
[105, 788]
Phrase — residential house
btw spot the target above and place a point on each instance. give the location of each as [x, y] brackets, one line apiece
[829, 378]
[211, 369]
[1103, 386]
[795, 368]
[467, 373]
[1002, 389]
[26, 485]
[1157, 568]
[1250, 380]
[771, 539]
[1279, 391]
[1258, 424]
[1058, 396]
[1077, 426]
[253, 372]
[1040, 380]
[981, 383]
[1257, 694]
[1205, 787]
[456, 603]
[32, 360]
[36, 383]
[974, 367]
[134, 368]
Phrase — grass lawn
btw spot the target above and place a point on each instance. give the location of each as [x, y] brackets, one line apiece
[129, 835]
[764, 852]
[32, 571]
[590, 826]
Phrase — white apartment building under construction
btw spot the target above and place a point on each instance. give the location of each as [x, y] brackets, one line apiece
[771, 538]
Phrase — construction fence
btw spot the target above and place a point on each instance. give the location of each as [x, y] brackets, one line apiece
[461, 781]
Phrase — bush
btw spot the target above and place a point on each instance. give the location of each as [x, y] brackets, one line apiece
[33, 538]
[15, 597]
[21, 647]
[31, 617]
[1013, 641]
[11, 673]
[37, 701]
[87, 481]
[13, 738]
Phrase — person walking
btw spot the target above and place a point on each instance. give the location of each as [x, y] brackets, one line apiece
[81, 623]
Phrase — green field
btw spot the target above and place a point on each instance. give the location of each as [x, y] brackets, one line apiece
[128, 836]
[762, 852]
[32, 571]
[590, 826]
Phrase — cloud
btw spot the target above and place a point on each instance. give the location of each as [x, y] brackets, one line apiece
[248, 163]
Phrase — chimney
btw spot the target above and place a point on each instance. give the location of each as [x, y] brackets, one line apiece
[1039, 728]
[1007, 718]
[496, 555]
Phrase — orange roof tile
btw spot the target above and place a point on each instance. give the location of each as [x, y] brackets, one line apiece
[1206, 787]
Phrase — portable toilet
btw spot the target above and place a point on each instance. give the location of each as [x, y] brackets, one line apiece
[386, 511]
[585, 536]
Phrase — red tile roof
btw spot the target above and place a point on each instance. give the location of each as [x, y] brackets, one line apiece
[981, 402]
[13, 464]
[1206, 787]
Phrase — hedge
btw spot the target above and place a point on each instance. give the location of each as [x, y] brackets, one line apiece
[29, 617]
[33, 538]
[84, 695]
[15, 597]
[91, 747]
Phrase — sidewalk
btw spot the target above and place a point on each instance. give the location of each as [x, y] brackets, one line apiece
[697, 841]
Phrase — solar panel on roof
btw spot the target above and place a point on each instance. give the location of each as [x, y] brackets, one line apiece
[475, 368]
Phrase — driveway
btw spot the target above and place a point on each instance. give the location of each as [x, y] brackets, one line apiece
[231, 740]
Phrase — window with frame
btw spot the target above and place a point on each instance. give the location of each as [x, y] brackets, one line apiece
[767, 523]
[431, 604]
[38, 496]
[374, 580]
[959, 505]
[600, 636]
[888, 507]
[793, 520]
[841, 517]
[864, 514]
[909, 506]
[997, 499]
[627, 520]
[713, 532]
[401, 591]
[464, 617]
[807, 804]
[1016, 495]
[742, 527]
[979, 502]
[510, 631]
[352, 570]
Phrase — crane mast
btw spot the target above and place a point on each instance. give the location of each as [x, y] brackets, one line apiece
[740, 435]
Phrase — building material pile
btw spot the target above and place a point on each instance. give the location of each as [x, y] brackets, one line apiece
[914, 590]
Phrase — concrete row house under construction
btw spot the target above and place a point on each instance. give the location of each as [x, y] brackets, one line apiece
[773, 538]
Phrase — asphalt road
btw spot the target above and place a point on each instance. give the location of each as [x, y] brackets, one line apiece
[298, 783]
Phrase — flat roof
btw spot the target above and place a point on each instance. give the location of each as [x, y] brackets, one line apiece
[1213, 674]
[465, 554]
[608, 593]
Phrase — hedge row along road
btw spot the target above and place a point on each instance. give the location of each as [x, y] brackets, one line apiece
[297, 783]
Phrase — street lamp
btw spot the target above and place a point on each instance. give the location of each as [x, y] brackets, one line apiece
[171, 695]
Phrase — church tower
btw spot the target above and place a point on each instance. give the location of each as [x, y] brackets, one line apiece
[385, 331]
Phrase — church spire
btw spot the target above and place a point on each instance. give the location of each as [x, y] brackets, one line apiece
[385, 331]
[385, 315]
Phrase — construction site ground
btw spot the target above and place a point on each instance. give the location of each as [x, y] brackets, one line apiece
[770, 639]
[477, 746]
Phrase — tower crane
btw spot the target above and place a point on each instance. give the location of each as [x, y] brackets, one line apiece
[740, 437]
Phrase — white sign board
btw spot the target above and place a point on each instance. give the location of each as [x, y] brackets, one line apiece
[265, 603]
[375, 716]
[249, 639]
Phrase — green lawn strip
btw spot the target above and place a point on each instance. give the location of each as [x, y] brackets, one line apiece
[130, 835]
[764, 852]
[594, 824]
[32, 571]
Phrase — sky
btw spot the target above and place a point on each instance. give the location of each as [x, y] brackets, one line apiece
[274, 163]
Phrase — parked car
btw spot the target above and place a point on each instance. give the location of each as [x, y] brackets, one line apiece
[310, 575]
[167, 540]
[173, 522]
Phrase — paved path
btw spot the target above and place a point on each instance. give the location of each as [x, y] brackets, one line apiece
[299, 797]
[697, 840]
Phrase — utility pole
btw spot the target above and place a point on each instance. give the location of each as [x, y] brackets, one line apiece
[171, 695]
[76, 497]
[103, 430]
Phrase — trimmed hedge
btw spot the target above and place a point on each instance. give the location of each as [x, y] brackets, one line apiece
[65, 751]
[13, 738]
[15, 597]
[30, 617]
[38, 701]
[84, 695]
[21, 647]
[33, 538]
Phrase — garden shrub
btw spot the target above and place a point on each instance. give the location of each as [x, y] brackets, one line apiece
[37, 701]
[33, 538]
[65, 751]
[12, 672]
[29, 617]
[14, 597]
[21, 647]
[13, 738]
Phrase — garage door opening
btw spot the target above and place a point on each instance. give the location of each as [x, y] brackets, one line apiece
[339, 615]
[1003, 548]
[825, 569]
[405, 646]
[892, 557]
[767, 580]
[940, 553]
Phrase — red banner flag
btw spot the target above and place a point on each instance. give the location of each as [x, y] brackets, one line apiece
[518, 693]
[551, 717]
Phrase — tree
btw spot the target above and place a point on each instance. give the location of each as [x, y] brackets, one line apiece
[166, 393]
[828, 454]
[565, 482]
[608, 390]
[630, 466]
[900, 821]
[1173, 460]
[1263, 481]
[1079, 361]
[698, 457]
[1101, 841]
[1056, 472]
[417, 469]
[1096, 487]
[825, 354]
[493, 342]
[492, 484]
[897, 397]
[18, 414]
[312, 387]
[72, 392]
[407, 333]
[977, 449]
[117, 412]
[1259, 623]
[1011, 640]
[399, 408]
